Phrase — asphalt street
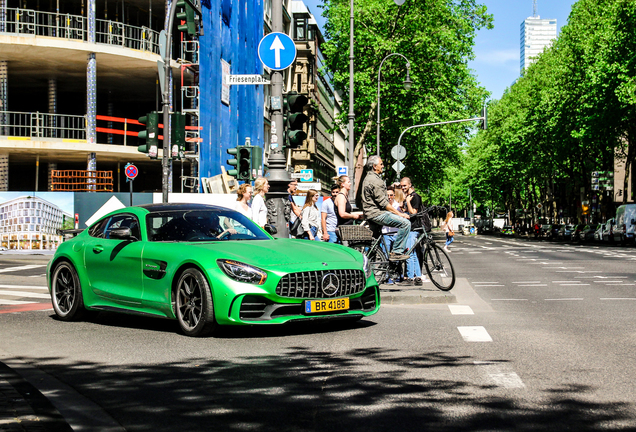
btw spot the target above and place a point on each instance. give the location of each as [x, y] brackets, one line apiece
[541, 337]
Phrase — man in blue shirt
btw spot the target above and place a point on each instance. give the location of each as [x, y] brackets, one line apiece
[329, 219]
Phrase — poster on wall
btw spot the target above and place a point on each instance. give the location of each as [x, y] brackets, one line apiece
[225, 87]
[30, 220]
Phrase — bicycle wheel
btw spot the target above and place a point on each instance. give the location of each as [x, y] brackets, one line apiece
[439, 267]
[377, 259]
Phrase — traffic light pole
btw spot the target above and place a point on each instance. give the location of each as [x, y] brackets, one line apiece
[165, 160]
[277, 203]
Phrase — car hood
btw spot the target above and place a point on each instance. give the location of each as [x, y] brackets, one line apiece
[267, 253]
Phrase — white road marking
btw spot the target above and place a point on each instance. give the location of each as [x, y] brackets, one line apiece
[563, 299]
[39, 287]
[13, 302]
[527, 282]
[24, 294]
[485, 282]
[25, 267]
[532, 285]
[489, 285]
[509, 299]
[474, 334]
[500, 374]
[618, 298]
[574, 284]
[460, 310]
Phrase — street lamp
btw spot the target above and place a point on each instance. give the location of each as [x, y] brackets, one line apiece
[407, 86]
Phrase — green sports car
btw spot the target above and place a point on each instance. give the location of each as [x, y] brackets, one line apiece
[206, 266]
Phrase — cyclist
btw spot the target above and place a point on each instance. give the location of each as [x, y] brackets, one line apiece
[377, 209]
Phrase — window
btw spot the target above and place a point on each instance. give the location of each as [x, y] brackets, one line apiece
[301, 29]
[103, 228]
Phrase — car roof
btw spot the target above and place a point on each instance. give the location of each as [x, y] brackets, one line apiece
[153, 208]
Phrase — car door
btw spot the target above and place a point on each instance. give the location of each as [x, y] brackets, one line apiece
[113, 265]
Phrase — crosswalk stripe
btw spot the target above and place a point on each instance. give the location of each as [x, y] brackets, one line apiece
[13, 302]
[474, 334]
[460, 310]
[24, 294]
[25, 267]
[38, 287]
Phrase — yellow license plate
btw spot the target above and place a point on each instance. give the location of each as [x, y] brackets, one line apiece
[317, 306]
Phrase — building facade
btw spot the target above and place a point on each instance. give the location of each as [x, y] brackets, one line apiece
[536, 34]
[318, 151]
[31, 223]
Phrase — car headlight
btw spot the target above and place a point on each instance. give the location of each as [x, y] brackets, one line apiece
[242, 272]
[367, 266]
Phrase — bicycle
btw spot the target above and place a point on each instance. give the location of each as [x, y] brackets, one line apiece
[436, 262]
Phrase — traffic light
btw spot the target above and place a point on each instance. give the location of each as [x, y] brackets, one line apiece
[257, 162]
[484, 119]
[295, 119]
[245, 163]
[151, 134]
[186, 13]
[178, 135]
[233, 162]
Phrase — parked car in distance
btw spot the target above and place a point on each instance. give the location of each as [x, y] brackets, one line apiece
[626, 222]
[545, 230]
[576, 232]
[598, 233]
[508, 231]
[3, 248]
[609, 234]
[566, 232]
[589, 231]
[551, 231]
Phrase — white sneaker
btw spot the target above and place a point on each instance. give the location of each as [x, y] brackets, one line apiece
[446, 249]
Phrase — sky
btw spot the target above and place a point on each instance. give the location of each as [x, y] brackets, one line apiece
[497, 51]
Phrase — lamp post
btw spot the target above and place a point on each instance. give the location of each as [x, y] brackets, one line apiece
[407, 85]
[352, 115]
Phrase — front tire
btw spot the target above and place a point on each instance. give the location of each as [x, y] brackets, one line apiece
[66, 292]
[193, 304]
[439, 268]
[378, 260]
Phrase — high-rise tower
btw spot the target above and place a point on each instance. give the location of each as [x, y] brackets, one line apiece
[536, 34]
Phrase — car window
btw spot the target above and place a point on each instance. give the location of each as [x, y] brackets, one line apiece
[103, 228]
[201, 225]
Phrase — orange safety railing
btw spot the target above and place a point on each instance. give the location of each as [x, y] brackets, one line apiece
[81, 181]
[127, 121]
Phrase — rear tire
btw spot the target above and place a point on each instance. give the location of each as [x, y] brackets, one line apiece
[193, 304]
[439, 268]
[66, 292]
[378, 260]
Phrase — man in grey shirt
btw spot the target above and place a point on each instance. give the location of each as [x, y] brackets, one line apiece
[377, 209]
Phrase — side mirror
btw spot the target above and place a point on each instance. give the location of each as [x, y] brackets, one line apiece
[122, 234]
[270, 229]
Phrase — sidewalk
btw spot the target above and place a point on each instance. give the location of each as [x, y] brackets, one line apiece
[24, 409]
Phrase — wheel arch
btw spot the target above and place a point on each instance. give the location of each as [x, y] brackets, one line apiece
[177, 274]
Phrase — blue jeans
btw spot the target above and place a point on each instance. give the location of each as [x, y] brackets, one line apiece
[389, 239]
[449, 239]
[389, 219]
[333, 237]
[314, 231]
[413, 268]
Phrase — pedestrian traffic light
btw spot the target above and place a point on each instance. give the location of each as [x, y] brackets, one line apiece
[178, 134]
[484, 117]
[185, 12]
[150, 134]
[257, 163]
[295, 119]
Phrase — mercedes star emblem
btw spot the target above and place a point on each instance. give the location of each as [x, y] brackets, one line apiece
[330, 284]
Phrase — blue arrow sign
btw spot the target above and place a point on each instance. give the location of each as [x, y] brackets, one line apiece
[277, 51]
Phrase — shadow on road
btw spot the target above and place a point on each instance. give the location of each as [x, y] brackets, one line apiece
[309, 390]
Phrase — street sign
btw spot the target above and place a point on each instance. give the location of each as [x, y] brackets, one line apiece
[307, 186]
[398, 152]
[398, 166]
[308, 175]
[343, 171]
[245, 80]
[277, 51]
[131, 171]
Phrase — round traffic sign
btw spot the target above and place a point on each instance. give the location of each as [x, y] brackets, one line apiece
[398, 152]
[131, 171]
[277, 51]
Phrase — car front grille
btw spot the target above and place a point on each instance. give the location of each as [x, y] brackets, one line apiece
[309, 284]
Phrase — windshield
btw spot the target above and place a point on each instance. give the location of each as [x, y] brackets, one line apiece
[202, 225]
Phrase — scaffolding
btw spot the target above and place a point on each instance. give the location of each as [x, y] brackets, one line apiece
[81, 181]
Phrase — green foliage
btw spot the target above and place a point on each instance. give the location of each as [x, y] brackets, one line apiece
[573, 109]
[437, 37]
